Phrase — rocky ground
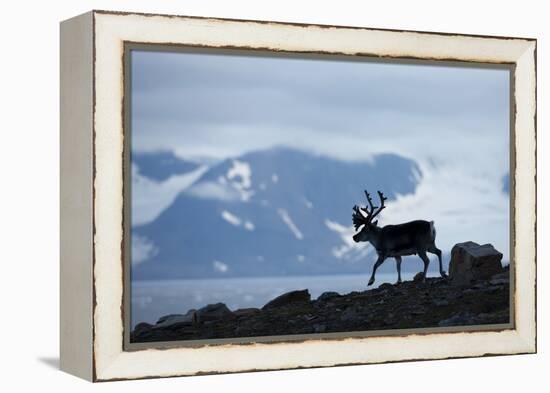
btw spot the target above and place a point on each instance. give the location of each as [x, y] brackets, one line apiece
[476, 293]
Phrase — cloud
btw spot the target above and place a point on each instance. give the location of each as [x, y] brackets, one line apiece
[142, 249]
[212, 190]
[348, 249]
[234, 185]
[453, 121]
[228, 105]
[150, 197]
[462, 207]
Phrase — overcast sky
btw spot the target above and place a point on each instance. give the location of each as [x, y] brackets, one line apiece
[453, 121]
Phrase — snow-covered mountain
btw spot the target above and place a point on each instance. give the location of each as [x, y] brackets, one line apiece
[272, 212]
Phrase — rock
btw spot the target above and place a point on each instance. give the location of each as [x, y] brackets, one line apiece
[459, 319]
[470, 262]
[176, 321]
[411, 305]
[491, 288]
[214, 312]
[389, 319]
[500, 278]
[164, 318]
[350, 314]
[417, 311]
[241, 312]
[141, 328]
[418, 277]
[319, 328]
[327, 295]
[288, 298]
[385, 286]
[504, 274]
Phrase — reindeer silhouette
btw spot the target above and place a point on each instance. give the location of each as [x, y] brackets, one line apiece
[410, 238]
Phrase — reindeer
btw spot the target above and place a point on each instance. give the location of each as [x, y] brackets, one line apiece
[414, 237]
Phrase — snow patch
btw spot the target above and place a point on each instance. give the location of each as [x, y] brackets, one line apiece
[240, 178]
[237, 221]
[275, 178]
[249, 226]
[300, 258]
[241, 173]
[231, 218]
[290, 224]
[220, 267]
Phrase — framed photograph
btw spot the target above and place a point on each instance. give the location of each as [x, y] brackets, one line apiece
[248, 195]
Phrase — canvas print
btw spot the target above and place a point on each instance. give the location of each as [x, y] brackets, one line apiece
[282, 195]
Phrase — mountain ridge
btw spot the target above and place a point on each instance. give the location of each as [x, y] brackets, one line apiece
[269, 212]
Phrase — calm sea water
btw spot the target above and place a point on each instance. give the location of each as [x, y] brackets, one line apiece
[153, 299]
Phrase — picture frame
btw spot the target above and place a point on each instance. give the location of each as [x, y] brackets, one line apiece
[95, 169]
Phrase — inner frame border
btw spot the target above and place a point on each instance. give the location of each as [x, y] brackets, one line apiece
[129, 46]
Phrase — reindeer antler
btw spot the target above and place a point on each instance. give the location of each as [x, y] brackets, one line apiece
[359, 219]
[382, 206]
[372, 207]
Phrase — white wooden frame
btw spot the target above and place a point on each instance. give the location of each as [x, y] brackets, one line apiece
[92, 274]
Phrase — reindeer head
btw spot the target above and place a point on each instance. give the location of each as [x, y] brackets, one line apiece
[359, 219]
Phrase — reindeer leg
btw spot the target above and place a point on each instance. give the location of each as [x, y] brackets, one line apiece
[437, 251]
[379, 261]
[426, 260]
[398, 261]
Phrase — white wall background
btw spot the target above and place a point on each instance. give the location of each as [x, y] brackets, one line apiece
[29, 198]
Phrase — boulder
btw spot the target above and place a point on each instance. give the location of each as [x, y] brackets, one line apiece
[441, 302]
[501, 278]
[241, 312]
[350, 314]
[470, 262]
[141, 328]
[288, 298]
[328, 295]
[214, 312]
[176, 321]
[165, 317]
